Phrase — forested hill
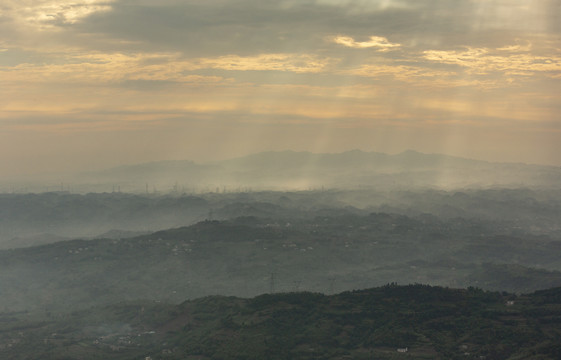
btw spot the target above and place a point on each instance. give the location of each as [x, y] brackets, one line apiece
[247, 256]
[389, 322]
[34, 219]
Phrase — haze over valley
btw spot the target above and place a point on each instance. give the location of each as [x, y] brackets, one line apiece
[378, 219]
[108, 273]
[256, 179]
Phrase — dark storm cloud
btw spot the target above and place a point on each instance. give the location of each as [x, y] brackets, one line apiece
[244, 27]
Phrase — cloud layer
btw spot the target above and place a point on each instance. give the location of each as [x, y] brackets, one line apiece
[473, 78]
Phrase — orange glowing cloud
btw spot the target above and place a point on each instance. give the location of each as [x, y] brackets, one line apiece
[378, 42]
[483, 61]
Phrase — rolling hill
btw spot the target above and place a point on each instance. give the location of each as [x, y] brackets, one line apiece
[388, 322]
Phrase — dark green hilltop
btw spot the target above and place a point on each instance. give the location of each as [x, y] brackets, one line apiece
[388, 322]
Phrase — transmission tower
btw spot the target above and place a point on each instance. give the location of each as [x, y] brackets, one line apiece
[272, 290]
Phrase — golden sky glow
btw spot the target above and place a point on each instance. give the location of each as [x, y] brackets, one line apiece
[97, 83]
[44, 14]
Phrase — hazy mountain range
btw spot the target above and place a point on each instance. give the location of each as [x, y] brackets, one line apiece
[160, 233]
[290, 170]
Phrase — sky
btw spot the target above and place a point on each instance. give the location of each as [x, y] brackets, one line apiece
[91, 84]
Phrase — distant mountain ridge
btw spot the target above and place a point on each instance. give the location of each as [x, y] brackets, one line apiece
[290, 170]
